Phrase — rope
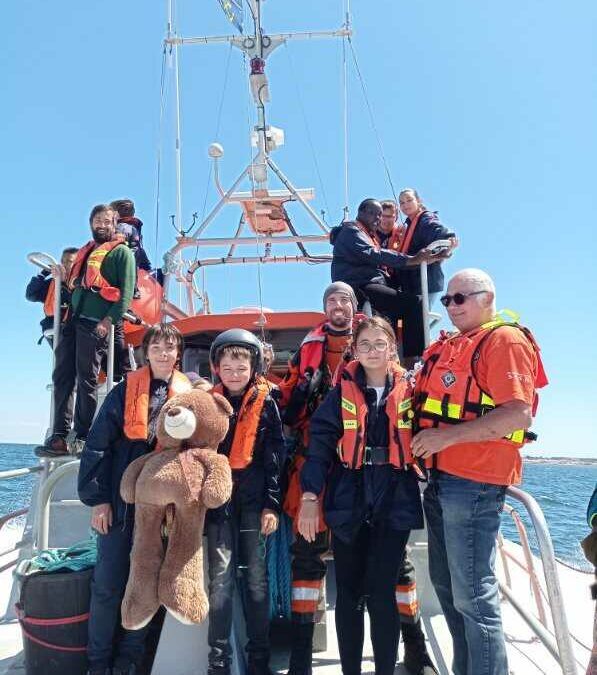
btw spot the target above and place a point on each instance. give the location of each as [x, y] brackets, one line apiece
[372, 120]
[80, 556]
[345, 113]
[278, 568]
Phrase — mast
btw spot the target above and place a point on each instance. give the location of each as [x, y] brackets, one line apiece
[261, 206]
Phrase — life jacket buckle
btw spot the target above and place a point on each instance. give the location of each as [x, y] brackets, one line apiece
[376, 454]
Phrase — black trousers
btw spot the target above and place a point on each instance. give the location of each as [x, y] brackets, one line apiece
[366, 571]
[78, 359]
[108, 641]
[236, 545]
[308, 574]
[397, 305]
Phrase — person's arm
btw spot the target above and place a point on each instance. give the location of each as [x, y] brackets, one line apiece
[94, 484]
[356, 248]
[325, 430]
[273, 451]
[431, 229]
[37, 288]
[142, 259]
[123, 263]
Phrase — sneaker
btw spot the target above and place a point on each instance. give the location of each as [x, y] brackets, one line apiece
[55, 447]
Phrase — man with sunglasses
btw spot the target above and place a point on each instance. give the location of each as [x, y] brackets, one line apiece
[474, 401]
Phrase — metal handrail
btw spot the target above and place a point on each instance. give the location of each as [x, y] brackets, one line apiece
[43, 505]
[17, 473]
[562, 649]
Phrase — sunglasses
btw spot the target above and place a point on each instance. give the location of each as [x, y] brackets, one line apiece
[458, 298]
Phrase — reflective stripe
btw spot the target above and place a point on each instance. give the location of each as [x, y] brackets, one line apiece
[404, 424]
[434, 406]
[406, 599]
[404, 405]
[302, 593]
[487, 400]
[516, 436]
[349, 405]
[350, 424]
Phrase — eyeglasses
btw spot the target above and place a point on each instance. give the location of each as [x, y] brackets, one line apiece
[459, 298]
[366, 347]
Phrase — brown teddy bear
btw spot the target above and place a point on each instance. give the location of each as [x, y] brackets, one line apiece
[176, 483]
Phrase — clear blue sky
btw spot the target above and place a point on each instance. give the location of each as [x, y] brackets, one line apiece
[487, 108]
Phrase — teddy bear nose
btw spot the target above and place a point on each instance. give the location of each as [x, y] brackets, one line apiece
[180, 423]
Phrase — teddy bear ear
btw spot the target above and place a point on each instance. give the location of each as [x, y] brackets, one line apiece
[223, 403]
[202, 384]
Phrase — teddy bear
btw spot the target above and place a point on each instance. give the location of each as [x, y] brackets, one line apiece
[175, 485]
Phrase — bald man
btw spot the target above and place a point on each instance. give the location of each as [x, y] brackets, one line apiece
[474, 401]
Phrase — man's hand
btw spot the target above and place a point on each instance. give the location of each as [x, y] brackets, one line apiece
[103, 327]
[425, 255]
[431, 441]
[269, 522]
[101, 518]
[308, 517]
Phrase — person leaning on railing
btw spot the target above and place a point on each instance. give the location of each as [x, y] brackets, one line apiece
[359, 261]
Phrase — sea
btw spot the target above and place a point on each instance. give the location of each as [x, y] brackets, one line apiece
[562, 491]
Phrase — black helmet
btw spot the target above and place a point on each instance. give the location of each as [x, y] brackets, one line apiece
[238, 337]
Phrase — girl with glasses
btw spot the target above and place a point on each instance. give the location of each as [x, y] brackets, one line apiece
[359, 457]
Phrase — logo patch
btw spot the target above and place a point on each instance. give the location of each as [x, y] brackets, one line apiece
[448, 379]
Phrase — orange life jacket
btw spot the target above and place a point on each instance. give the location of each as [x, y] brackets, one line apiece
[247, 423]
[86, 270]
[396, 236]
[136, 402]
[49, 301]
[352, 448]
[408, 235]
[447, 392]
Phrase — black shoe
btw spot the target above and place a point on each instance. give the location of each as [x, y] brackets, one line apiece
[55, 447]
[218, 670]
[418, 662]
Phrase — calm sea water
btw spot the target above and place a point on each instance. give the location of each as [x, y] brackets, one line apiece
[562, 491]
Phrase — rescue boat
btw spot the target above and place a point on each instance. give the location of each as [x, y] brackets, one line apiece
[547, 611]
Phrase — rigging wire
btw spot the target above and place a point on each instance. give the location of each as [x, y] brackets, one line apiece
[345, 110]
[307, 128]
[159, 160]
[372, 119]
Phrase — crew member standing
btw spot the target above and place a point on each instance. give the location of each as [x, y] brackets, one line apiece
[474, 401]
[308, 380]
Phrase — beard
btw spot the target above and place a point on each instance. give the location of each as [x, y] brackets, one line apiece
[340, 322]
[101, 238]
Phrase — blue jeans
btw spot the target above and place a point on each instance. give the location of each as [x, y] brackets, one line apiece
[463, 519]
[108, 641]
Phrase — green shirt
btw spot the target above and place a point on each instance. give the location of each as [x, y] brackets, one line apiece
[119, 270]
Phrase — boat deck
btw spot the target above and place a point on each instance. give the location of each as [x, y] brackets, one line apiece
[181, 647]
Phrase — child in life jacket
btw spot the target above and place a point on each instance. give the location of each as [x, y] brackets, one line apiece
[236, 532]
[359, 465]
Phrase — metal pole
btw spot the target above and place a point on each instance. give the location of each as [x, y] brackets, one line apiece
[292, 189]
[425, 304]
[110, 359]
[554, 591]
[55, 341]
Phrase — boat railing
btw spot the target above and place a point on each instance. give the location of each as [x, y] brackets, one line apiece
[560, 648]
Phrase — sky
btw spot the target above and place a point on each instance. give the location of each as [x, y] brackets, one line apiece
[488, 109]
